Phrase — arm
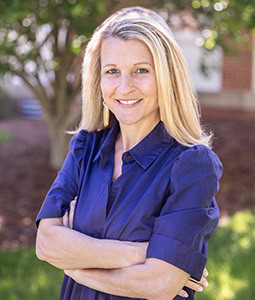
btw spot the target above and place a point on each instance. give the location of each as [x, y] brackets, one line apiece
[63, 253]
[190, 213]
[190, 209]
[155, 280]
[109, 281]
[61, 247]
[66, 248]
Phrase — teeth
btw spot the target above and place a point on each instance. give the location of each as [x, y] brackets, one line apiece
[129, 102]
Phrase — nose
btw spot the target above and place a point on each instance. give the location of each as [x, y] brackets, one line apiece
[126, 84]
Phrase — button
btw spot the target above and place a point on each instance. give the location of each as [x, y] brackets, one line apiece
[127, 157]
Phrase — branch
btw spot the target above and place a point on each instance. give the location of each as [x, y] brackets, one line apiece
[44, 96]
[55, 44]
[23, 76]
[61, 85]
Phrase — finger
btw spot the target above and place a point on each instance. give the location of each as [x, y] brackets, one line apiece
[197, 285]
[205, 272]
[194, 286]
[202, 282]
[183, 293]
[71, 213]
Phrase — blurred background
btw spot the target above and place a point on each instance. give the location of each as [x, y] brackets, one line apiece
[41, 47]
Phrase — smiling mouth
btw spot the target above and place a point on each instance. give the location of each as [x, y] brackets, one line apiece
[129, 102]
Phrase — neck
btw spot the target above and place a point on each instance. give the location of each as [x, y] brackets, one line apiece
[131, 135]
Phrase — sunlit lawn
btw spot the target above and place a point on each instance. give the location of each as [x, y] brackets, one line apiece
[24, 277]
[231, 260]
[231, 265]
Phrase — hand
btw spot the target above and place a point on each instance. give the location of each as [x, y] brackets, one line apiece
[88, 277]
[195, 285]
[69, 215]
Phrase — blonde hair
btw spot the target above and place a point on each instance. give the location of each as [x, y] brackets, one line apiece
[178, 105]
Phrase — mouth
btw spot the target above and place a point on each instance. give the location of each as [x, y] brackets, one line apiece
[129, 101]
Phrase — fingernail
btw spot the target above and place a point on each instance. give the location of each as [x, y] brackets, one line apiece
[200, 289]
[206, 284]
[186, 295]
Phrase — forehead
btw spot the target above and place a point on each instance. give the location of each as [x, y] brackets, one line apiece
[115, 51]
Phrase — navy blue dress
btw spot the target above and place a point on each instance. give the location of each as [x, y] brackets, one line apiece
[165, 195]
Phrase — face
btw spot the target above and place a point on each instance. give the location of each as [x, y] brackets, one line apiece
[128, 82]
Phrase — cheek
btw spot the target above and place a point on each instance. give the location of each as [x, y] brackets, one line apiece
[154, 84]
[154, 90]
[149, 87]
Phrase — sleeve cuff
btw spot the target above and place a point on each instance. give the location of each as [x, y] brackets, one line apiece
[178, 254]
[49, 212]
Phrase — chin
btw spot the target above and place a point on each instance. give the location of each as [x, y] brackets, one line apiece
[127, 122]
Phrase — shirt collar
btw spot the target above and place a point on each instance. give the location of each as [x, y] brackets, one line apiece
[151, 146]
[145, 152]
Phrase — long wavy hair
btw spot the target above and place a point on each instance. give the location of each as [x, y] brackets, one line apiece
[178, 105]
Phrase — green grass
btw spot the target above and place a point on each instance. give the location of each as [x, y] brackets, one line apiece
[24, 277]
[231, 260]
[5, 137]
[231, 265]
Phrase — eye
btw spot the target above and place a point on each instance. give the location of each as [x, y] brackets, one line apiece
[142, 71]
[112, 71]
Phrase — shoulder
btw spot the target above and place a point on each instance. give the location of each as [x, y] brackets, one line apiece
[195, 175]
[85, 141]
[200, 154]
[198, 161]
[83, 137]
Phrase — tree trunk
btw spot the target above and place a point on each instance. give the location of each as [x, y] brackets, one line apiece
[59, 144]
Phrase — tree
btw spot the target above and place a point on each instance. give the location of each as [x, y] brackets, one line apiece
[42, 42]
[222, 22]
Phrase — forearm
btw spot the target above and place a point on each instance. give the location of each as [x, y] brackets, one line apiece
[155, 280]
[69, 249]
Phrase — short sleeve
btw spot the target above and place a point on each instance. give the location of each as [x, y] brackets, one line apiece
[190, 213]
[65, 187]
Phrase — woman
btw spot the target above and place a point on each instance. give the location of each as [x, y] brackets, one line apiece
[141, 168]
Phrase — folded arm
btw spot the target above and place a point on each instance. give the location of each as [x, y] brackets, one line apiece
[65, 248]
[155, 280]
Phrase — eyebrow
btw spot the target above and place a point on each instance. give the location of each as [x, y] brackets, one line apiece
[139, 63]
[143, 63]
[108, 65]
